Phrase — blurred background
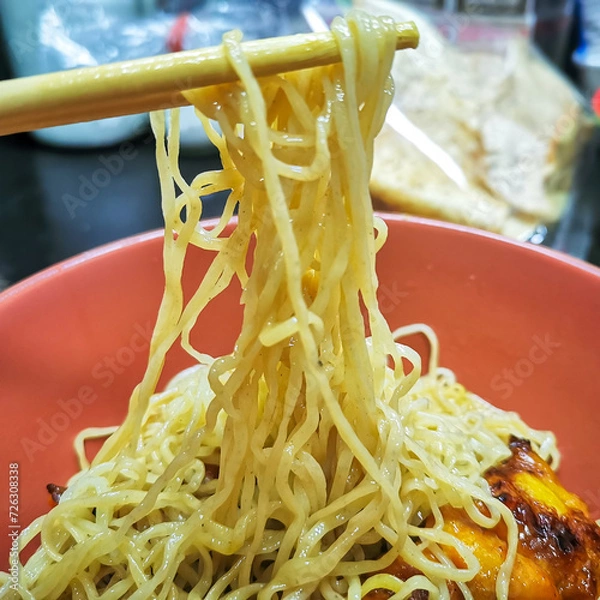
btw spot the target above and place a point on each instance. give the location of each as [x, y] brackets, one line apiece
[493, 124]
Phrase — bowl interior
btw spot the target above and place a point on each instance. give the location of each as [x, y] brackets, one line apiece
[518, 325]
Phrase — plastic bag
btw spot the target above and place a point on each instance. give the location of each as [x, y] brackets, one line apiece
[45, 36]
[483, 131]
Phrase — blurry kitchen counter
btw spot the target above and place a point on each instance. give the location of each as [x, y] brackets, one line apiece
[55, 204]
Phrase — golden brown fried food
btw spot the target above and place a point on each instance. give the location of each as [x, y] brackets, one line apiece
[529, 581]
[555, 528]
[558, 557]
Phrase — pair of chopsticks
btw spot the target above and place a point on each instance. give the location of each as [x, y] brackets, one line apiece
[158, 82]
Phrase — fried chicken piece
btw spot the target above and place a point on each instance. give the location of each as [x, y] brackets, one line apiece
[529, 581]
[558, 556]
[555, 528]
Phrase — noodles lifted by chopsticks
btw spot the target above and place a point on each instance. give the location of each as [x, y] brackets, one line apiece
[307, 459]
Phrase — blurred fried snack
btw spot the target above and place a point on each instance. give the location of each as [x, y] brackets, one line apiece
[503, 116]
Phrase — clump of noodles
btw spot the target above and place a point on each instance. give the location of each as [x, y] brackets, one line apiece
[307, 459]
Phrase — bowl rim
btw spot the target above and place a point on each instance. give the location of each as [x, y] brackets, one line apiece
[73, 262]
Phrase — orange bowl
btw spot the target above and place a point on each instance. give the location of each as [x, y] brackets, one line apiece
[518, 324]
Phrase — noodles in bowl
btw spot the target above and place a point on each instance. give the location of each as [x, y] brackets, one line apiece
[317, 453]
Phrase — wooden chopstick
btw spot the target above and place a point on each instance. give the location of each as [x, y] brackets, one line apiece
[157, 82]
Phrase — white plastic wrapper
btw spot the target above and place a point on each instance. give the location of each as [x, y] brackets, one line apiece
[43, 36]
[482, 132]
[52, 35]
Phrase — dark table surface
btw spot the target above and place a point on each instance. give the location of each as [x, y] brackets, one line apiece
[51, 209]
[57, 203]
